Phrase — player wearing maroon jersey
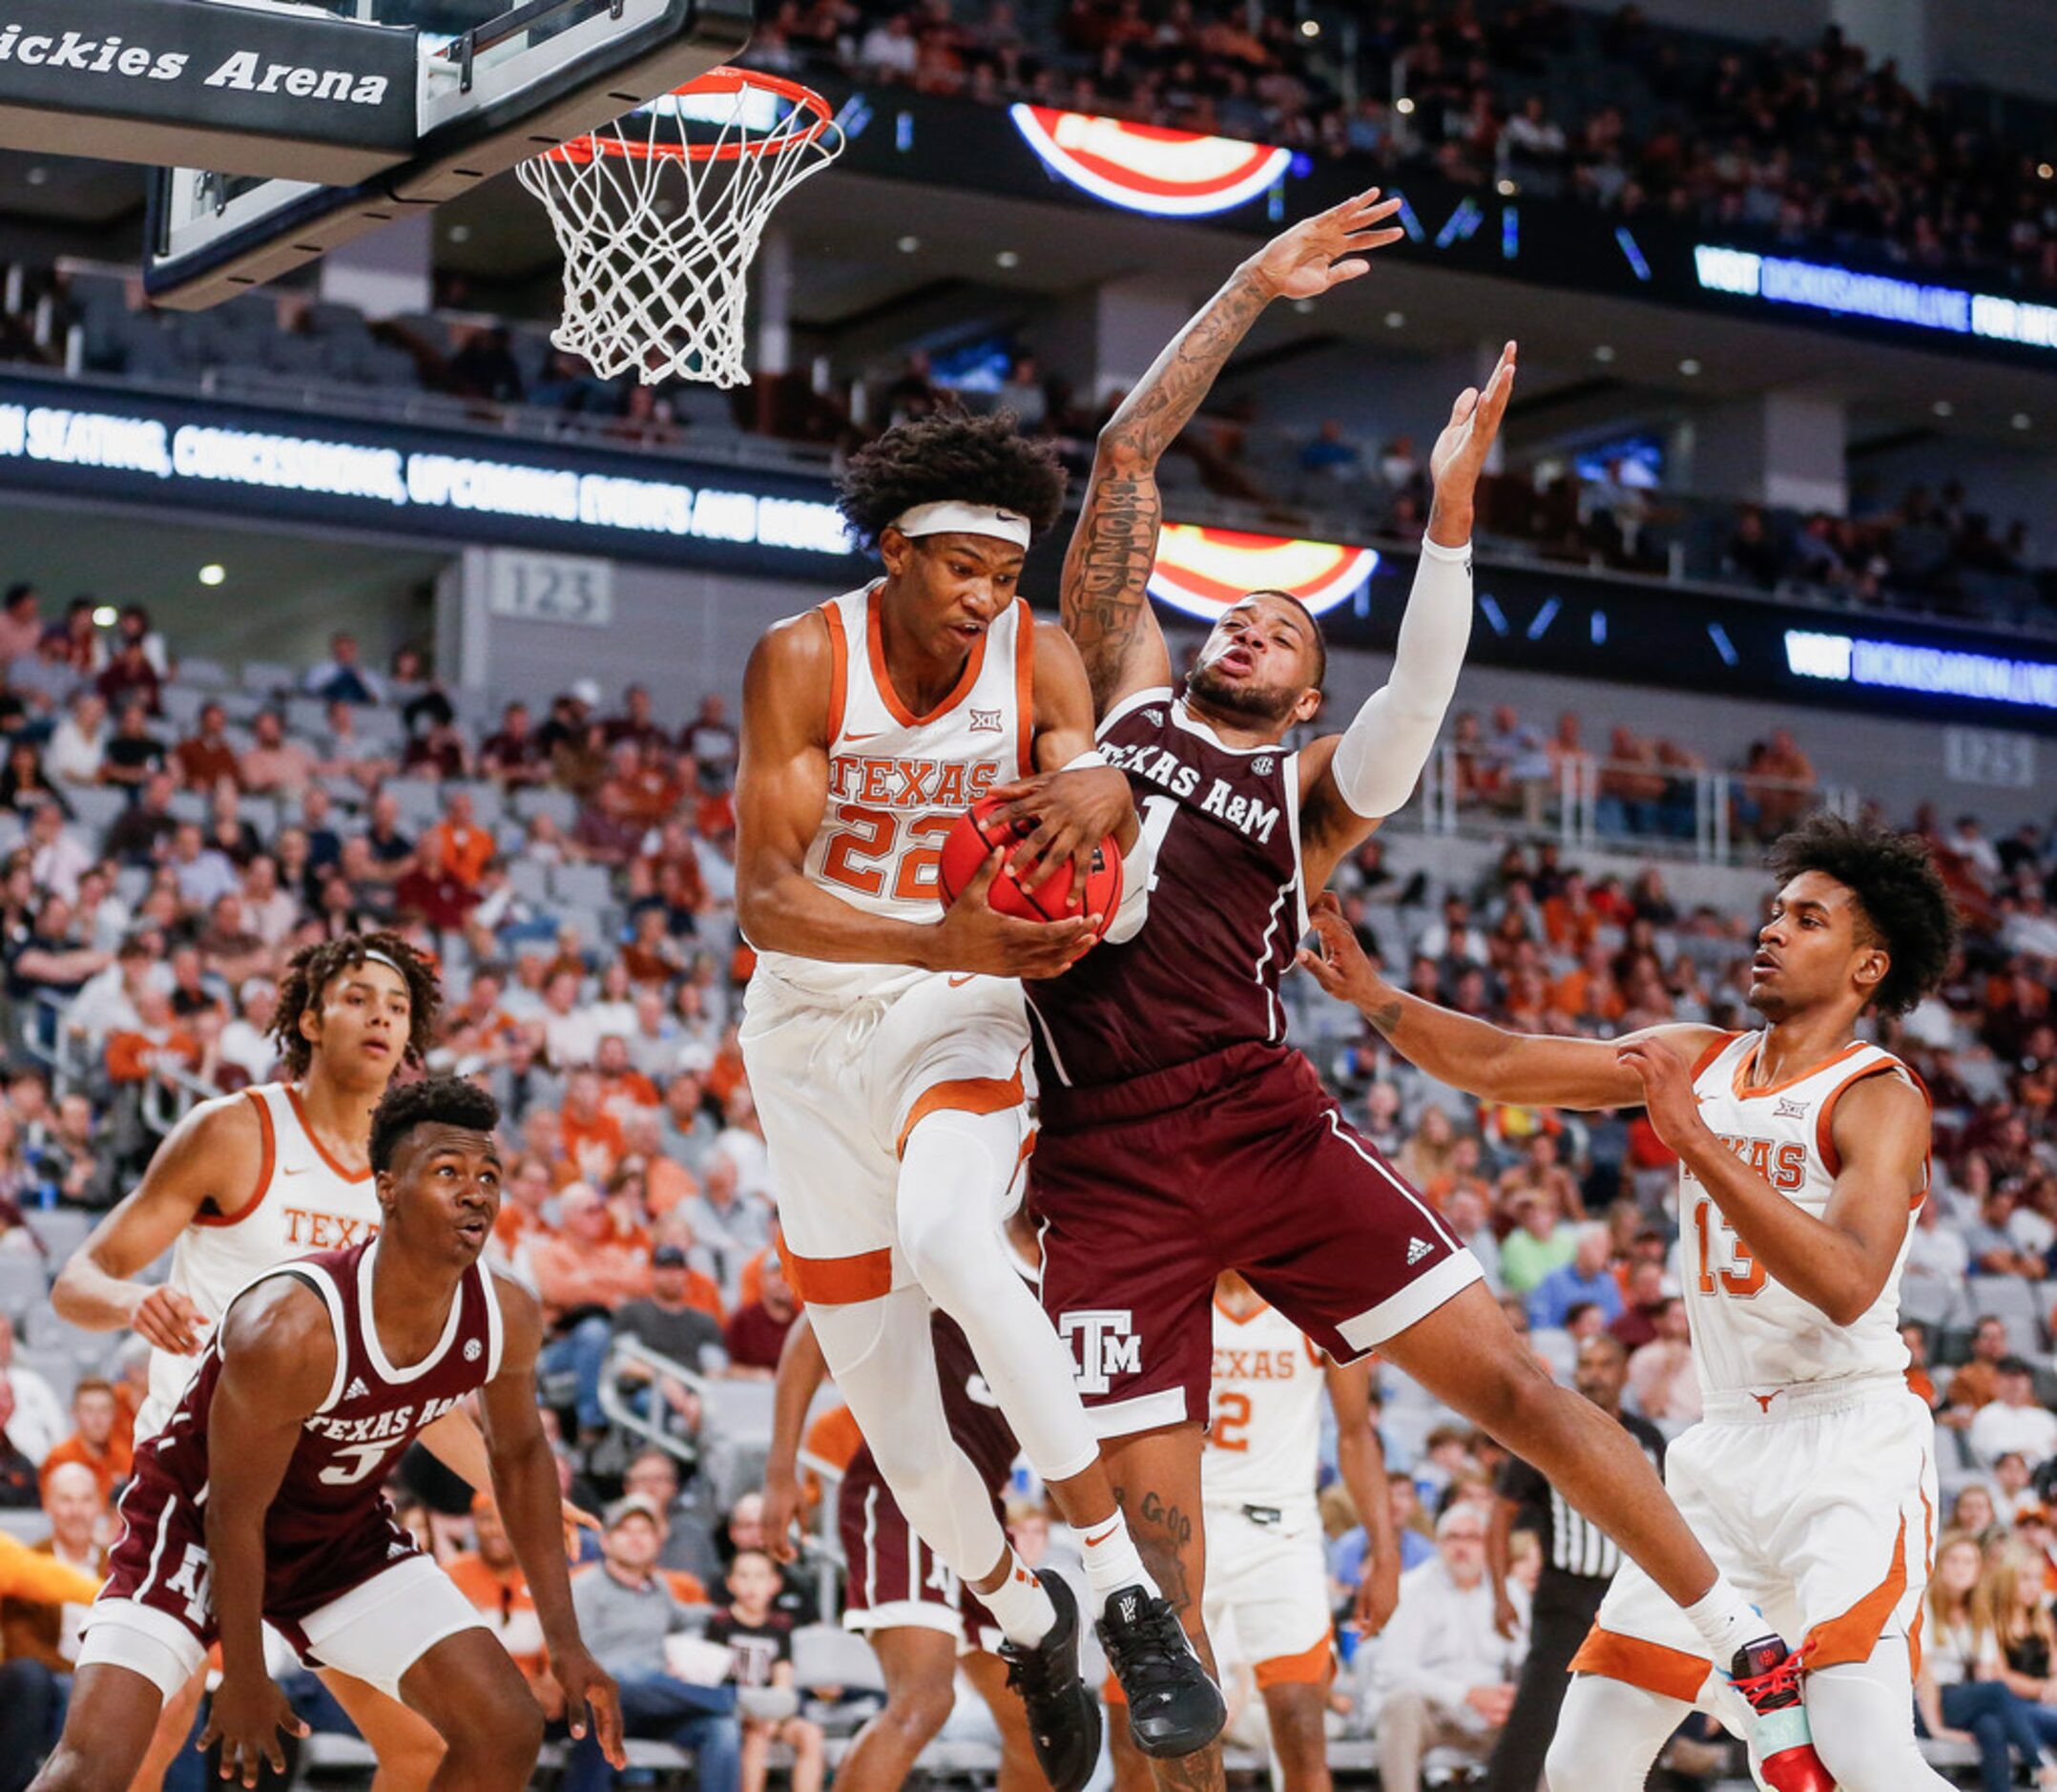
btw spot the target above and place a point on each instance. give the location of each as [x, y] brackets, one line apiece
[262, 1498]
[1180, 1136]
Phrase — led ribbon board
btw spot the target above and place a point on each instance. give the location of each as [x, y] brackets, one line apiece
[1929, 671]
[1146, 168]
[1823, 286]
[1203, 570]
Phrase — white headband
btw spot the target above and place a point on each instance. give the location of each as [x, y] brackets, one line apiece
[373, 956]
[952, 518]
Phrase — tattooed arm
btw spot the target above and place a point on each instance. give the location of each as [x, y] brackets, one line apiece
[1106, 605]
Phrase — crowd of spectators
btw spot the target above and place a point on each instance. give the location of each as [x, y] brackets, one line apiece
[1813, 145]
[164, 869]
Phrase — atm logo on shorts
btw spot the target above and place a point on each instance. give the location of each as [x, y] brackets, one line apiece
[1104, 1345]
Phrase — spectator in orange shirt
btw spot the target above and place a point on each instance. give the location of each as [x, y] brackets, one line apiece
[1568, 917]
[208, 756]
[467, 845]
[491, 1579]
[622, 1086]
[94, 1444]
[667, 1184]
[589, 1260]
[1588, 992]
[528, 1187]
[591, 1135]
[155, 1046]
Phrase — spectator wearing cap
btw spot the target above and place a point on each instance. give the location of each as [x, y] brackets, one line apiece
[755, 1333]
[2012, 1420]
[689, 1558]
[628, 1616]
[680, 1317]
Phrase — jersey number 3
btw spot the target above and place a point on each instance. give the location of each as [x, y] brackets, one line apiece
[1745, 1277]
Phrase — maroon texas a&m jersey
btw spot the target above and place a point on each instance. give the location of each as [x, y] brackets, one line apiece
[329, 1527]
[1226, 908]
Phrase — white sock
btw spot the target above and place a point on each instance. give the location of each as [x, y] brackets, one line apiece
[1020, 1606]
[1111, 1560]
[1726, 1621]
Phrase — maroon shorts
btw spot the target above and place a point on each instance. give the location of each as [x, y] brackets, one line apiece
[894, 1580]
[1149, 1189]
[160, 1561]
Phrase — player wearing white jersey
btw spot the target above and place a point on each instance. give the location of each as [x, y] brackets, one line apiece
[887, 1042]
[1803, 1158]
[243, 1184]
[1267, 1571]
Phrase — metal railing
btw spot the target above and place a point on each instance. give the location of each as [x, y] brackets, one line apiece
[1714, 817]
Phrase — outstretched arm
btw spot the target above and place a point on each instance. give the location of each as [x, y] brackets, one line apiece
[1534, 1070]
[1839, 1262]
[1107, 569]
[1356, 778]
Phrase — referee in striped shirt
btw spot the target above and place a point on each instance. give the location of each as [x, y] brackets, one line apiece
[1578, 1561]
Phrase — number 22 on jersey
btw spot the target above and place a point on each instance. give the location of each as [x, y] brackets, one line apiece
[1725, 1260]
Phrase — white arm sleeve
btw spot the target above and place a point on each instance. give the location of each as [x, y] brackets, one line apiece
[1382, 751]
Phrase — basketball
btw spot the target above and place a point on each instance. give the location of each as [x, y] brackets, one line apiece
[977, 833]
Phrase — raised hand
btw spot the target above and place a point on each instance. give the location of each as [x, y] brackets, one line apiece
[1458, 456]
[1327, 249]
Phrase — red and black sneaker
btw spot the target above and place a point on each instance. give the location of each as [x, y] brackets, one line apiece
[1767, 1674]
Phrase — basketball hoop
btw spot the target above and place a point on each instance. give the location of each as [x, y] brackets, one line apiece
[660, 214]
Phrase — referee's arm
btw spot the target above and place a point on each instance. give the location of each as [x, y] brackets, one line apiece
[1499, 1562]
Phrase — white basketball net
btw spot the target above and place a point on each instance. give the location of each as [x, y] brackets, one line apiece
[660, 214]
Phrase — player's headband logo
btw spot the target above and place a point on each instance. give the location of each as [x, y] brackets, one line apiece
[949, 518]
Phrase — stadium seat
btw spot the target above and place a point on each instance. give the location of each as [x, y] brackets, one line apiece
[27, 1526]
[2014, 1302]
[529, 878]
[24, 1283]
[58, 1368]
[97, 806]
[1937, 1304]
[581, 886]
[267, 676]
[826, 1654]
[209, 674]
[181, 704]
[61, 1229]
[560, 806]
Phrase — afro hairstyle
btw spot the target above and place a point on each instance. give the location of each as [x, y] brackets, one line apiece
[430, 1101]
[951, 457]
[1903, 906]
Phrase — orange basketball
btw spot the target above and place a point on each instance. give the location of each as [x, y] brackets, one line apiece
[977, 833]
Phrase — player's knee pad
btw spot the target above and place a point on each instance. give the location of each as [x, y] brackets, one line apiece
[951, 1237]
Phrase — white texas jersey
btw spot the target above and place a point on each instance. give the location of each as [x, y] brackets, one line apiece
[898, 781]
[303, 1200]
[1264, 1434]
[1751, 1335]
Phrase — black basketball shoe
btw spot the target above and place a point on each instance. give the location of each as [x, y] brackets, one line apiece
[1064, 1717]
[1174, 1708]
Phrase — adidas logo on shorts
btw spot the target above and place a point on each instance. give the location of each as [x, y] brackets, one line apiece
[1417, 1249]
[357, 1390]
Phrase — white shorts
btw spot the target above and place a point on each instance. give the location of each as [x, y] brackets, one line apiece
[840, 1083]
[1271, 1581]
[375, 1632]
[1821, 1510]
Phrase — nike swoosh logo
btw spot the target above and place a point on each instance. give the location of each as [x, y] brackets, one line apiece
[294, 1169]
[872, 736]
[1093, 1543]
[958, 982]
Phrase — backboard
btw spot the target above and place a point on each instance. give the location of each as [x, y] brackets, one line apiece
[493, 85]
